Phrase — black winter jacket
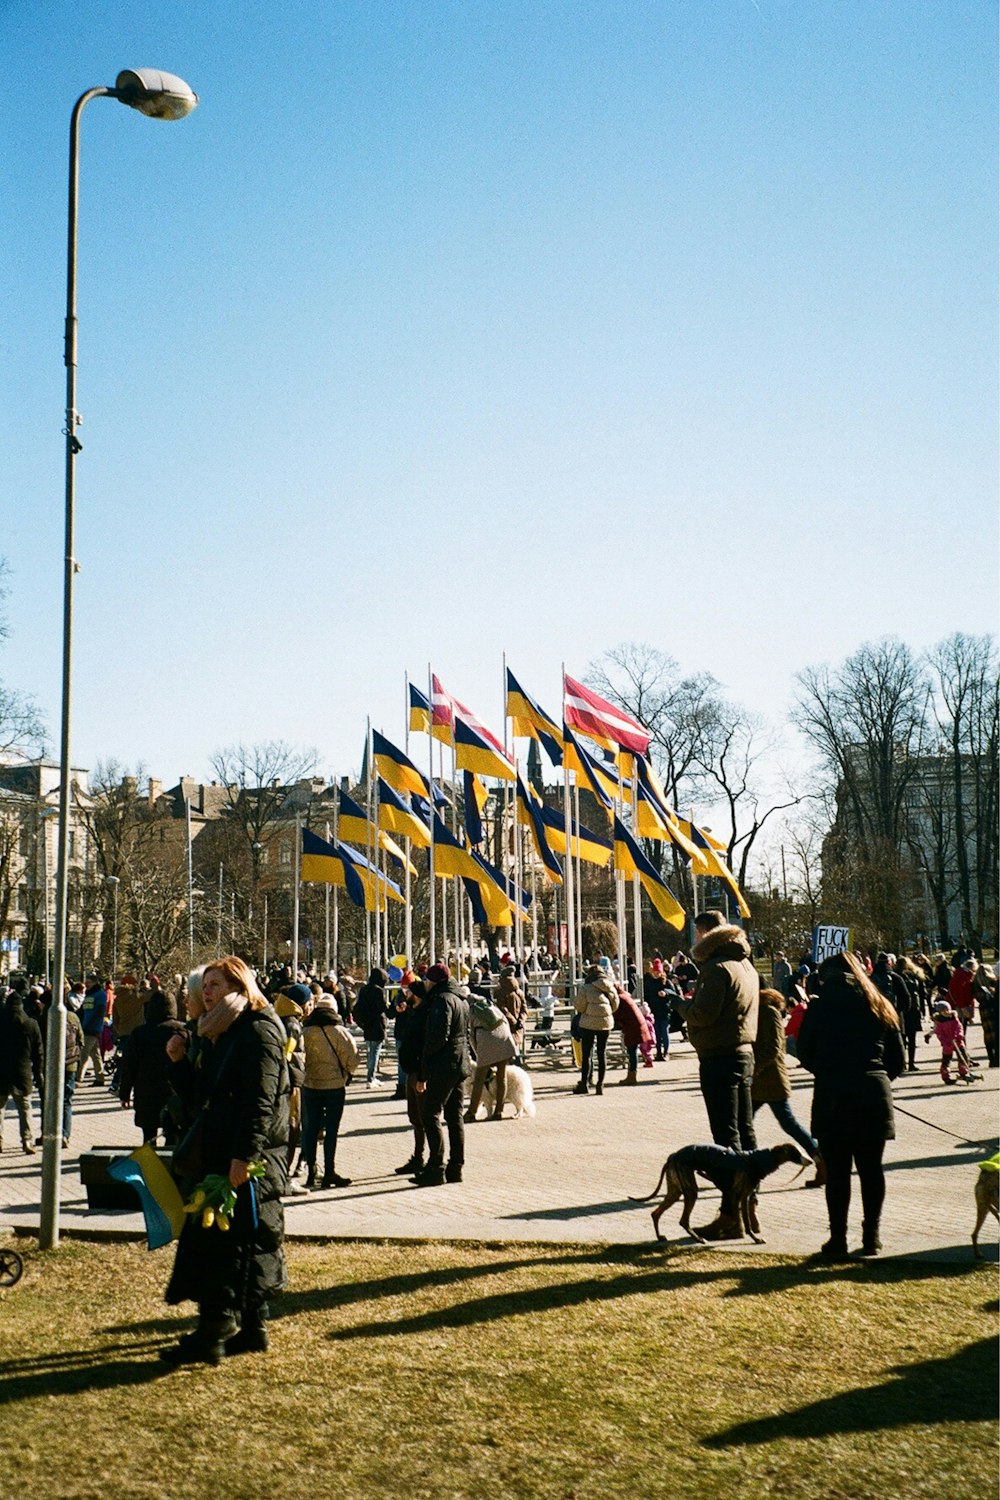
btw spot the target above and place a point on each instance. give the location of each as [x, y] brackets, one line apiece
[20, 1049]
[852, 1056]
[445, 1053]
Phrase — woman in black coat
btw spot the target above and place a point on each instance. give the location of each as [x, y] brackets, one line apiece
[241, 1083]
[850, 1041]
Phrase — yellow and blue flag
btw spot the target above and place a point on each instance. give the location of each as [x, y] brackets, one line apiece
[473, 801]
[593, 848]
[396, 817]
[398, 769]
[528, 814]
[473, 752]
[711, 863]
[596, 777]
[529, 719]
[630, 860]
[159, 1197]
[330, 864]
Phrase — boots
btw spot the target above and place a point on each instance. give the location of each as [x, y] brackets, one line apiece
[429, 1177]
[870, 1242]
[723, 1227]
[311, 1178]
[820, 1179]
[630, 1078]
[27, 1145]
[415, 1164]
[581, 1088]
[206, 1345]
[252, 1337]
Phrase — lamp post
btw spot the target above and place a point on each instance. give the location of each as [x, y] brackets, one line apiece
[114, 883]
[162, 96]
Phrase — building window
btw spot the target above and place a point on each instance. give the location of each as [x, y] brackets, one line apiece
[286, 854]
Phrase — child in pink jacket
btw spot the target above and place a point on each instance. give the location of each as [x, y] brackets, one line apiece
[948, 1030]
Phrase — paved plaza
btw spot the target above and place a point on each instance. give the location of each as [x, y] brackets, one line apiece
[567, 1174]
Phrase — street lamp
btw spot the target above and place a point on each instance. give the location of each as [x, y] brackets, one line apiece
[164, 97]
[114, 883]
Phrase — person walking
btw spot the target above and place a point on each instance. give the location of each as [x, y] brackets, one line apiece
[595, 1004]
[93, 1012]
[21, 1062]
[770, 1083]
[494, 1048]
[851, 1043]
[632, 1024]
[721, 1019]
[510, 999]
[657, 994]
[371, 1013]
[331, 1059]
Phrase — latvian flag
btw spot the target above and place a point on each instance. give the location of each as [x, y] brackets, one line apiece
[601, 720]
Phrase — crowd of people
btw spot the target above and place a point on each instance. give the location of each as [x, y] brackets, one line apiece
[246, 1077]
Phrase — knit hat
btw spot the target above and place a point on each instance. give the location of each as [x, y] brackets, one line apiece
[657, 966]
[299, 994]
[438, 973]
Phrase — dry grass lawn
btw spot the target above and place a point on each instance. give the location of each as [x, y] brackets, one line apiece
[447, 1371]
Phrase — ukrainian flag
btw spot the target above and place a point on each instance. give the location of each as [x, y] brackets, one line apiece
[161, 1202]
[474, 753]
[630, 860]
[395, 817]
[450, 858]
[397, 769]
[352, 821]
[376, 887]
[530, 720]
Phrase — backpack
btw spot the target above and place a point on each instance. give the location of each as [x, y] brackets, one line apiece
[485, 1014]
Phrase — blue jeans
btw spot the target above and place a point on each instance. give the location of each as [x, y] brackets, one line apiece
[69, 1086]
[781, 1109]
[661, 1029]
[321, 1110]
[633, 1058]
[374, 1050]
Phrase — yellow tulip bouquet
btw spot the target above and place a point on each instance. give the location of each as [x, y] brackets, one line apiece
[215, 1198]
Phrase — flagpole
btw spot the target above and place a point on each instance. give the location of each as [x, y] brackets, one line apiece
[336, 903]
[369, 954]
[326, 914]
[407, 892]
[620, 886]
[579, 865]
[534, 918]
[444, 893]
[570, 881]
[295, 902]
[430, 852]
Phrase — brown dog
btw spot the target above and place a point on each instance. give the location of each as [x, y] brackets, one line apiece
[986, 1199]
[739, 1173]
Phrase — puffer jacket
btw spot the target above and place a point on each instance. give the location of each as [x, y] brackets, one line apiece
[596, 1003]
[445, 1055]
[630, 1021]
[492, 1047]
[331, 1053]
[721, 1015]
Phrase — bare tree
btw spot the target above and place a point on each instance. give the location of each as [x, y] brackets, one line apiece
[966, 710]
[868, 721]
[734, 759]
[21, 726]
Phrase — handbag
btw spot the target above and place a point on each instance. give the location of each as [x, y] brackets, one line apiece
[189, 1154]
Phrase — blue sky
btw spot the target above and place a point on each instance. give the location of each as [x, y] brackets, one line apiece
[448, 329]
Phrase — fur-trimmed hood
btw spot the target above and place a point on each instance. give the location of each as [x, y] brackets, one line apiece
[712, 944]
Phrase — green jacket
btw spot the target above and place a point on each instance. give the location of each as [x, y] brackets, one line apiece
[721, 1016]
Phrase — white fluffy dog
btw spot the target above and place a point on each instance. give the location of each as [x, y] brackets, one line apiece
[518, 1092]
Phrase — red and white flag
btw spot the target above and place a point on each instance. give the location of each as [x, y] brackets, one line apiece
[603, 721]
[445, 710]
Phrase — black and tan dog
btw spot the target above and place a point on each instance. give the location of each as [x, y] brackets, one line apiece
[986, 1197]
[738, 1173]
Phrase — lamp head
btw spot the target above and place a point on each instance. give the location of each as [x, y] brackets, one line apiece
[162, 96]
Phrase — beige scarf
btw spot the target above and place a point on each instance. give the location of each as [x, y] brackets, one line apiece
[212, 1023]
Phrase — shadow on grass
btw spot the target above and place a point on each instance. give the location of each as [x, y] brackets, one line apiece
[71, 1372]
[961, 1388]
[647, 1269]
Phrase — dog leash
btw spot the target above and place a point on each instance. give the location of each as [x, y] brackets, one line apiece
[980, 1145]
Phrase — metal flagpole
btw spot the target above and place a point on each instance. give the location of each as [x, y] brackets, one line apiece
[336, 893]
[190, 874]
[570, 880]
[408, 893]
[620, 888]
[218, 925]
[579, 867]
[295, 898]
[370, 956]
[265, 929]
[326, 914]
[430, 852]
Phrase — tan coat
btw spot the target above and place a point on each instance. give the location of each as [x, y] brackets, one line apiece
[331, 1051]
[596, 1003]
[770, 1070]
